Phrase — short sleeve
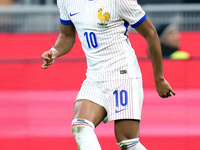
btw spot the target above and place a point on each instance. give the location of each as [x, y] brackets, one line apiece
[64, 17]
[132, 12]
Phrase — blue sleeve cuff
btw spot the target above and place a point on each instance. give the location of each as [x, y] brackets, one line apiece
[139, 22]
[66, 22]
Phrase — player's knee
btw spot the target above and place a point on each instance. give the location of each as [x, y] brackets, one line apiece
[131, 144]
[78, 125]
[83, 131]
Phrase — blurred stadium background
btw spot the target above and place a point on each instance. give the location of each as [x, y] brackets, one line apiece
[36, 105]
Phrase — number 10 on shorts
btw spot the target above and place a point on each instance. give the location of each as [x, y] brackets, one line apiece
[121, 97]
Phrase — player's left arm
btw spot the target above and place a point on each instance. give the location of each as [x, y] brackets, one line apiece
[147, 30]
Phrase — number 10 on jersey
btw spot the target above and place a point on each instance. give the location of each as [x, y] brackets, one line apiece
[121, 97]
[91, 39]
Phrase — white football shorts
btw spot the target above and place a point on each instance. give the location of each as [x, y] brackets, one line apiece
[121, 98]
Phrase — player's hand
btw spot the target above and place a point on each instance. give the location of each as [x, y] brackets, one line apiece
[164, 89]
[49, 58]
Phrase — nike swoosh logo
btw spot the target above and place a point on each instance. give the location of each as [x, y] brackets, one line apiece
[74, 14]
[118, 111]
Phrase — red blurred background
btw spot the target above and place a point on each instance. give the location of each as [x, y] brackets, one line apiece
[36, 105]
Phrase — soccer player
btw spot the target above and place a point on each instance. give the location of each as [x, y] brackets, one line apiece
[113, 87]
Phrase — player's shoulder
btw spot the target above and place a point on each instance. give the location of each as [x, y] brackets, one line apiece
[128, 4]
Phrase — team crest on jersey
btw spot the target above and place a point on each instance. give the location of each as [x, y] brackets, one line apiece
[104, 18]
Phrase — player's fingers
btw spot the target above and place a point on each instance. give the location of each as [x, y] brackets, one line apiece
[47, 63]
[48, 55]
[54, 53]
[172, 92]
[48, 58]
[165, 95]
[45, 66]
[52, 61]
[168, 94]
[45, 55]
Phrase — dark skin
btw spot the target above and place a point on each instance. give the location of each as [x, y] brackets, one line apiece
[63, 45]
[124, 129]
[147, 30]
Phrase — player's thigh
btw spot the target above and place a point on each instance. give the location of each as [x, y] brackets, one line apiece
[89, 110]
[126, 129]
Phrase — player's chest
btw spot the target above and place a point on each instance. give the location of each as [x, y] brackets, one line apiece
[92, 13]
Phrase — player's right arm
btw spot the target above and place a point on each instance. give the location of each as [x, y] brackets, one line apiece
[63, 45]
